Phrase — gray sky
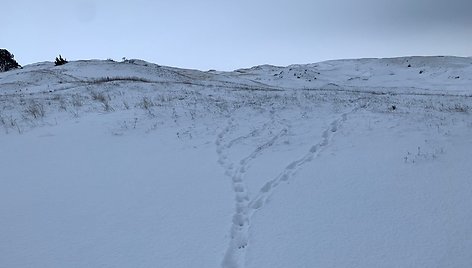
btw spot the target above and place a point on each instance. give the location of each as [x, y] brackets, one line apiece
[230, 34]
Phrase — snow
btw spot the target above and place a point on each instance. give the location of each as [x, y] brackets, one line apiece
[132, 164]
[87, 198]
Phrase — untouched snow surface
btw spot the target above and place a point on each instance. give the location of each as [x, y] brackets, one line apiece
[349, 163]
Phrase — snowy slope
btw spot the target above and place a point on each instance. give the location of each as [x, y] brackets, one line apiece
[393, 75]
[347, 163]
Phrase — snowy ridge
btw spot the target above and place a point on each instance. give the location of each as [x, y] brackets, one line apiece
[392, 75]
[346, 163]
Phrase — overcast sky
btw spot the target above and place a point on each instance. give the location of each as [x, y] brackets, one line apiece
[230, 34]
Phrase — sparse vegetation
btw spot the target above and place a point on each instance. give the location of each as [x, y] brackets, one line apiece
[98, 96]
[146, 103]
[9, 122]
[77, 100]
[103, 99]
[36, 110]
[126, 105]
[461, 108]
[422, 155]
[119, 78]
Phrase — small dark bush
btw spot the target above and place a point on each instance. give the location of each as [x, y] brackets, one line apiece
[7, 61]
[60, 61]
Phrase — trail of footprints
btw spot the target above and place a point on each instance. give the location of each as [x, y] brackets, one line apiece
[246, 206]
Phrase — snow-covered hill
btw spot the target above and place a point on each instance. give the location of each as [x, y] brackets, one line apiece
[347, 163]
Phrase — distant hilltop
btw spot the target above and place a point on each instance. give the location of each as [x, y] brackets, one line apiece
[452, 75]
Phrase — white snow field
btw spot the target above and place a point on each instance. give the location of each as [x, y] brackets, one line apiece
[348, 163]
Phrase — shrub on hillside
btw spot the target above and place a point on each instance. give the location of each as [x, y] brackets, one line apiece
[7, 61]
[60, 61]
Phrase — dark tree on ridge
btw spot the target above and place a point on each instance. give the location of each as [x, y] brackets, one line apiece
[7, 61]
[60, 61]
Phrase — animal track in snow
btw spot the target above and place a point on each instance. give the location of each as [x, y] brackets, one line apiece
[235, 254]
[246, 206]
[261, 198]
